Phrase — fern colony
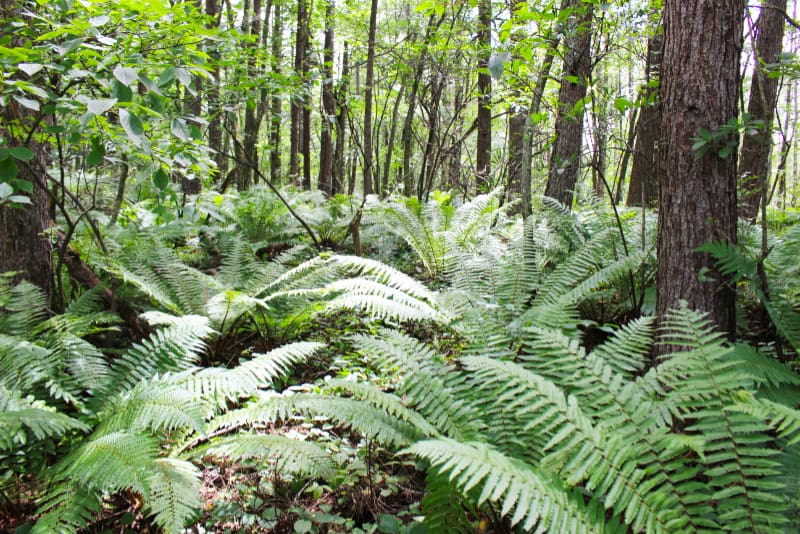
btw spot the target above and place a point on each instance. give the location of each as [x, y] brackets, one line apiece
[508, 386]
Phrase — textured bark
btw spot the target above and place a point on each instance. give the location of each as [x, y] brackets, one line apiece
[212, 98]
[387, 164]
[516, 152]
[754, 165]
[697, 196]
[325, 182]
[645, 158]
[565, 159]
[298, 100]
[373, 20]
[484, 121]
[247, 175]
[276, 104]
[23, 246]
[341, 124]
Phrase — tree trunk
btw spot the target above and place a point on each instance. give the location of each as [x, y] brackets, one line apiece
[325, 182]
[252, 26]
[373, 19]
[565, 159]
[276, 104]
[341, 124]
[697, 195]
[484, 122]
[24, 246]
[298, 100]
[212, 97]
[643, 186]
[387, 164]
[754, 165]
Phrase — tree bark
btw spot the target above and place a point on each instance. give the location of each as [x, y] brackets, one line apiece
[24, 245]
[565, 159]
[276, 104]
[325, 182]
[368, 89]
[484, 122]
[643, 185]
[298, 100]
[342, 90]
[754, 165]
[697, 195]
[252, 26]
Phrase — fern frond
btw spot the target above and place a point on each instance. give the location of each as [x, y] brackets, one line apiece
[738, 458]
[67, 507]
[386, 402]
[155, 406]
[528, 497]
[24, 306]
[380, 301]
[42, 421]
[367, 420]
[285, 455]
[174, 496]
[628, 349]
[260, 372]
[444, 507]
[425, 381]
[579, 452]
[172, 348]
[783, 419]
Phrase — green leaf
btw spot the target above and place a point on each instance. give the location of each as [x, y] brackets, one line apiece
[132, 126]
[302, 526]
[497, 64]
[180, 129]
[5, 190]
[167, 77]
[96, 154]
[21, 153]
[30, 68]
[100, 106]
[622, 104]
[24, 185]
[161, 179]
[100, 20]
[121, 92]
[126, 75]
[8, 169]
[27, 102]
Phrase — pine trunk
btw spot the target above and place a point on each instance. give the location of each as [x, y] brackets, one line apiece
[700, 88]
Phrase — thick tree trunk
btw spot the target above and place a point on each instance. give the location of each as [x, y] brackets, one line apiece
[24, 246]
[643, 186]
[484, 122]
[325, 182]
[373, 20]
[754, 165]
[697, 195]
[565, 159]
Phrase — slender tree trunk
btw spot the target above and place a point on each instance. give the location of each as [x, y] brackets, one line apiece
[565, 158]
[276, 104]
[341, 124]
[247, 173]
[700, 88]
[212, 94]
[328, 107]
[754, 165]
[373, 20]
[298, 100]
[427, 171]
[484, 121]
[643, 186]
[24, 245]
[387, 164]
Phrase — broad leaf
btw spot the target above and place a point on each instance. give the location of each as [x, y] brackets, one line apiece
[100, 106]
[132, 126]
[126, 75]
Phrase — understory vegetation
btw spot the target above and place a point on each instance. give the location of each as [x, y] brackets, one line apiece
[470, 372]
